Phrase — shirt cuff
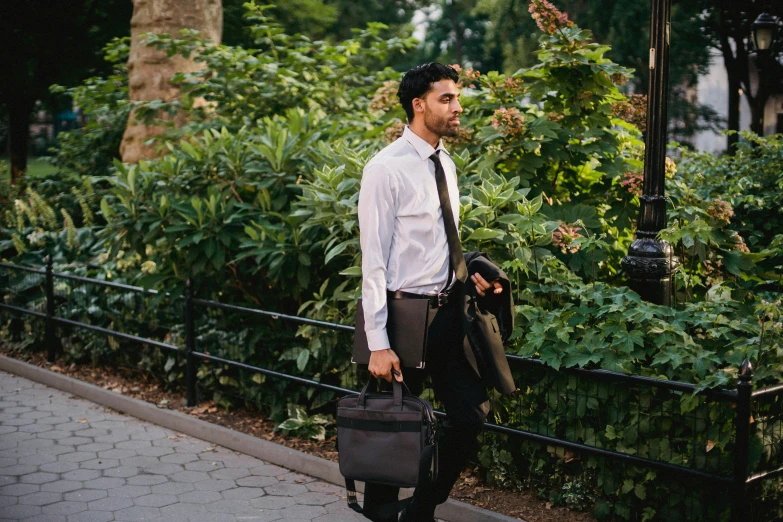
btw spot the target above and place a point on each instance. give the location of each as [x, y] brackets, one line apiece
[378, 340]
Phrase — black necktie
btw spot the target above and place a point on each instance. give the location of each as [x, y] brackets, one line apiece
[456, 258]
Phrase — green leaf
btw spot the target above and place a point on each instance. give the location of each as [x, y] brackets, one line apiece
[640, 491]
[301, 360]
[485, 233]
[250, 231]
[552, 357]
[719, 293]
[170, 362]
[580, 358]
[737, 262]
[353, 271]
[536, 203]
[601, 509]
[510, 219]
[292, 424]
[630, 436]
[225, 380]
[106, 210]
[688, 403]
[319, 433]
[337, 250]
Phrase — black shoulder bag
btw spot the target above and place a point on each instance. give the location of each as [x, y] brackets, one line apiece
[386, 438]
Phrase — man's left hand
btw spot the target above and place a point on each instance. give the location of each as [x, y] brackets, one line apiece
[482, 286]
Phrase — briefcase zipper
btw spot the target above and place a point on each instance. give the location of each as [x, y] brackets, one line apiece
[430, 414]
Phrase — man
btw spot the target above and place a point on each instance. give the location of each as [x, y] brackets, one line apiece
[405, 208]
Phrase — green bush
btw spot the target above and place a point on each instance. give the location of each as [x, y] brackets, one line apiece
[727, 221]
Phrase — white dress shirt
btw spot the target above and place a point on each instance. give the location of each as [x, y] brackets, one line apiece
[403, 239]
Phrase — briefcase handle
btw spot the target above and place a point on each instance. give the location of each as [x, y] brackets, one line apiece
[398, 390]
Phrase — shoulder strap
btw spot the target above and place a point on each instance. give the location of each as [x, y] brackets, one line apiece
[456, 257]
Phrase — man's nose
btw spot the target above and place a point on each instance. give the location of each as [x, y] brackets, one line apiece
[457, 107]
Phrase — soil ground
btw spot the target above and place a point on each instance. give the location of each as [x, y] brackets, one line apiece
[470, 489]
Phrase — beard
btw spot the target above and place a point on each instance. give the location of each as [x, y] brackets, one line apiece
[439, 125]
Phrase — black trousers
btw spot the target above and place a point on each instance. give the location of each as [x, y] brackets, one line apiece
[464, 397]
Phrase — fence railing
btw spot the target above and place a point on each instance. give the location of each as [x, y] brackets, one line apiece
[626, 419]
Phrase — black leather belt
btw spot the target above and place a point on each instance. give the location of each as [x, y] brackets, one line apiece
[436, 301]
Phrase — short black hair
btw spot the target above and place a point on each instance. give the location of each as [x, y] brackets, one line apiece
[418, 81]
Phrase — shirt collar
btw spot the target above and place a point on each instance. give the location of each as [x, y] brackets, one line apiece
[423, 148]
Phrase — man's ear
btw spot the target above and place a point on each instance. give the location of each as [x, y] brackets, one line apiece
[418, 105]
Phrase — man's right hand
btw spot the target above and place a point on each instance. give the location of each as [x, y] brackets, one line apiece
[382, 362]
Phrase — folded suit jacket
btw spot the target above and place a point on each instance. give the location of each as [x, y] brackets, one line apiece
[487, 323]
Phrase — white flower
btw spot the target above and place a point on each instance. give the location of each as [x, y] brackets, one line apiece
[149, 267]
[36, 238]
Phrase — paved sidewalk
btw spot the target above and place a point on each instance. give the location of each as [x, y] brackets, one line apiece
[66, 459]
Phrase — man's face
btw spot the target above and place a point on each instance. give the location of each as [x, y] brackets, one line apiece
[442, 108]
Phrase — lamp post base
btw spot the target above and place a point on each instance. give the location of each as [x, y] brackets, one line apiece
[650, 266]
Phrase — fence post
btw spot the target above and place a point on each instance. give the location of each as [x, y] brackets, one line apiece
[190, 343]
[50, 339]
[740, 504]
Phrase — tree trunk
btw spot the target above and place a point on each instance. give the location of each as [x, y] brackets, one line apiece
[150, 71]
[731, 65]
[459, 36]
[19, 136]
[734, 114]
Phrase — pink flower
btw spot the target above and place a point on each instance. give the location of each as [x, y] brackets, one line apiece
[385, 97]
[712, 271]
[671, 168]
[739, 243]
[464, 136]
[720, 210]
[510, 122]
[554, 116]
[514, 85]
[472, 74]
[548, 18]
[633, 182]
[632, 110]
[466, 76]
[564, 238]
[394, 131]
[619, 79]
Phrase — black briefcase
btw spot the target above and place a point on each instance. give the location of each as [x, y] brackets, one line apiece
[386, 438]
[406, 325]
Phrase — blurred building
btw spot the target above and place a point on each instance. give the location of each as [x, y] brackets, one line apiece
[46, 125]
[712, 90]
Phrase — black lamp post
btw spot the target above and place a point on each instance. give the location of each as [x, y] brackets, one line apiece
[650, 263]
[763, 32]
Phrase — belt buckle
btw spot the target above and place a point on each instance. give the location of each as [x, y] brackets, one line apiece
[443, 299]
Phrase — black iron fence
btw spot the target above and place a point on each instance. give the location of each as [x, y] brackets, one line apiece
[714, 452]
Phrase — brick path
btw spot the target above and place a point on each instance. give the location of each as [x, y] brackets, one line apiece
[63, 459]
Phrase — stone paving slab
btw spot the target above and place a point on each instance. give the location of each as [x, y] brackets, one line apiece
[64, 459]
